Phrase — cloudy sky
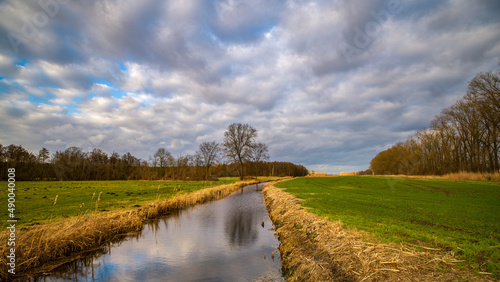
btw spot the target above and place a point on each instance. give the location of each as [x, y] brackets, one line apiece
[327, 84]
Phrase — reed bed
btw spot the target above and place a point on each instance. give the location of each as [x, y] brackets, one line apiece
[39, 248]
[316, 249]
[473, 176]
[463, 175]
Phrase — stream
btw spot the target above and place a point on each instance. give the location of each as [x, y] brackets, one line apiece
[231, 239]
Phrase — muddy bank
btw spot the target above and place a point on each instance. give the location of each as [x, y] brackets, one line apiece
[315, 249]
[41, 248]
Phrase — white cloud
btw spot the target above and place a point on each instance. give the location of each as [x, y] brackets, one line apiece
[56, 142]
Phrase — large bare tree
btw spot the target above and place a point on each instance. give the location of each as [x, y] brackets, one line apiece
[238, 138]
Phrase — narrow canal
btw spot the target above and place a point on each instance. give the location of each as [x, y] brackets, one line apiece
[227, 240]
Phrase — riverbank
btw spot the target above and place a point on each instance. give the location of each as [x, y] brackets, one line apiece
[316, 249]
[35, 199]
[40, 247]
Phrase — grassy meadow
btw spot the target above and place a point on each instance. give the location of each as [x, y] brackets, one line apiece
[35, 199]
[454, 216]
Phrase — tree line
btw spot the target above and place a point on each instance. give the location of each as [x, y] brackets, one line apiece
[239, 155]
[463, 137]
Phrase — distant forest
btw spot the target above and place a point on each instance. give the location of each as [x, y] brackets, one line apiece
[244, 157]
[464, 137]
[75, 164]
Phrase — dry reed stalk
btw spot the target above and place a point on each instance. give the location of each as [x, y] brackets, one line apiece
[53, 207]
[39, 247]
[91, 202]
[80, 209]
[158, 193]
[316, 249]
[97, 202]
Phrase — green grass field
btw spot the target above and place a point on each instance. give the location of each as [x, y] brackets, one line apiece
[35, 199]
[459, 216]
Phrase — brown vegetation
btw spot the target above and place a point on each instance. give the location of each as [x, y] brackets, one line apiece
[473, 176]
[39, 247]
[464, 137]
[317, 174]
[464, 175]
[76, 164]
[315, 249]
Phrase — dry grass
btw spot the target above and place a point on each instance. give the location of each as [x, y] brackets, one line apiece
[39, 248]
[315, 249]
[454, 176]
[316, 174]
[473, 176]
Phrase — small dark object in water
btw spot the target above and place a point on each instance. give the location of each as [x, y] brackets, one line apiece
[262, 224]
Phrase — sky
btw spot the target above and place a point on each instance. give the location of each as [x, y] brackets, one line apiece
[327, 84]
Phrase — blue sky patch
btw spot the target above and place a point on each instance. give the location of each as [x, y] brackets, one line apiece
[21, 62]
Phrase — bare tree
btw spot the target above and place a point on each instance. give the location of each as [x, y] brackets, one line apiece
[257, 154]
[207, 153]
[3, 158]
[69, 164]
[484, 93]
[98, 160]
[162, 159]
[486, 87]
[43, 155]
[237, 139]
[181, 167]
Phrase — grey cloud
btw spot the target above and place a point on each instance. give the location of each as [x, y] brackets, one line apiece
[15, 112]
[244, 21]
